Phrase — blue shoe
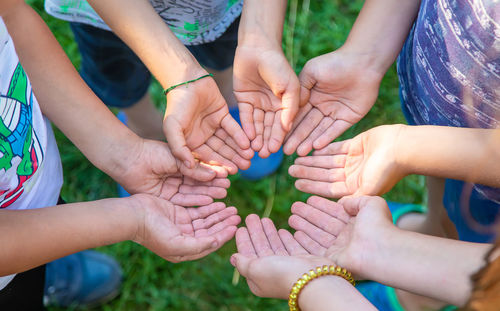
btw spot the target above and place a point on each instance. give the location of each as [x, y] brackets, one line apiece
[87, 278]
[122, 193]
[259, 167]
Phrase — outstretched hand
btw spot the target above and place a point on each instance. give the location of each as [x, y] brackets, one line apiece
[267, 90]
[151, 168]
[198, 126]
[179, 234]
[271, 260]
[364, 165]
[346, 232]
[338, 90]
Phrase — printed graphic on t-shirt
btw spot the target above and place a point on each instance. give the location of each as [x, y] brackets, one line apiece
[20, 150]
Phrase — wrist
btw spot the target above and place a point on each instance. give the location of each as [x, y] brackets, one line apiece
[322, 287]
[368, 58]
[135, 209]
[402, 153]
[182, 74]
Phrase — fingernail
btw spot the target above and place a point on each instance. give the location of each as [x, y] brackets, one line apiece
[232, 260]
[215, 244]
[187, 164]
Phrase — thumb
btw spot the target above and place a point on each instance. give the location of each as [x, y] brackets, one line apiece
[175, 139]
[194, 248]
[241, 263]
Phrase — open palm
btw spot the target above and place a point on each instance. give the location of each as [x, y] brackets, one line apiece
[178, 234]
[339, 92]
[363, 165]
[198, 125]
[267, 91]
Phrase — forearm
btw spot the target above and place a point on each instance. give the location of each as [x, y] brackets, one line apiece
[331, 293]
[64, 97]
[434, 267]
[262, 23]
[458, 153]
[143, 30]
[380, 31]
[33, 237]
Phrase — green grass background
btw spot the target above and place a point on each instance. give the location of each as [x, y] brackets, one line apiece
[152, 283]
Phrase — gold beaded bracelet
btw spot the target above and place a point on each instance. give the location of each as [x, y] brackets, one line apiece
[311, 275]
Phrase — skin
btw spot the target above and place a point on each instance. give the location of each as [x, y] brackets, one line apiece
[369, 245]
[173, 231]
[340, 87]
[197, 121]
[374, 161]
[272, 261]
[265, 85]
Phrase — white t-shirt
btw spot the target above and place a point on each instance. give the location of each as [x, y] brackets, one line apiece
[30, 166]
[192, 21]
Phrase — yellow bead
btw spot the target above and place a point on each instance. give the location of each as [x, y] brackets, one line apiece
[325, 270]
[319, 270]
[332, 269]
[338, 269]
[312, 273]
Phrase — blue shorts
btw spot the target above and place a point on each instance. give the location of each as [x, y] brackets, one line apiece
[119, 78]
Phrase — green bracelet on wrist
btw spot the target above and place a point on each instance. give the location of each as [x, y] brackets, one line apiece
[190, 81]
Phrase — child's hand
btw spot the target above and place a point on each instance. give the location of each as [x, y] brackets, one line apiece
[268, 94]
[198, 125]
[180, 234]
[364, 165]
[346, 232]
[271, 261]
[151, 168]
[339, 90]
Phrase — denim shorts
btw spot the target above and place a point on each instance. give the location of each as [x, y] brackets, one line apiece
[119, 78]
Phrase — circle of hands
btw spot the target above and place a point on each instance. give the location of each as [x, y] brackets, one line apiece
[175, 184]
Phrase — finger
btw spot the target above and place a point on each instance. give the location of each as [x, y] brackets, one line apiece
[199, 172]
[308, 124]
[311, 246]
[259, 239]
[241, 263]
[235, 131]
[215, 218]
[292, 246]
[277, 134]
[318, 218]
[329, 207]
[258, 119]
[322, 237]
[246, 118]
[188, 246]
[300, 116]
[327, 162]
[224, 136]
[322, 127]
[222, 237]
[220, 172]
[231, 221]
[216, 182]
[190, 199]
[338, 127]
[208, 155]
[273, 237]
[244, 243]
[290, 101]
[212, 192]
[227, 152]
[268, 125]
[324, 189]
[339, 147]
[205, 210]
[317, 174]
[305, 94]
[175, 139]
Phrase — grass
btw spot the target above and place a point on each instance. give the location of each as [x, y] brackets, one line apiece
[152, 283]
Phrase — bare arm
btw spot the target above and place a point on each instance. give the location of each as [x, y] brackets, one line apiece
[32, 237]
[63, 96]
[450, 152]
[358, 233]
